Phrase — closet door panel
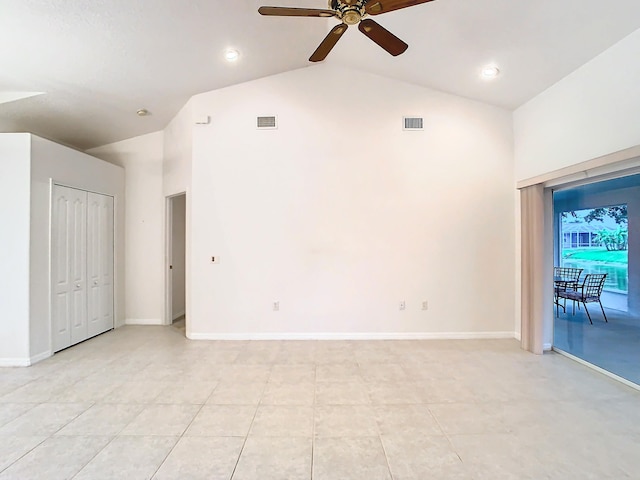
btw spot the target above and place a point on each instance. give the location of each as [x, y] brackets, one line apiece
[100, 263]
[69, 266]
[61, 284]
[78, 265]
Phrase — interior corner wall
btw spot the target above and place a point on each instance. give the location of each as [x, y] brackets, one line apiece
[592, 112]
[142, 158]
[178, 152]
[53, 162]
[15, 150]
[177, 178]
[339, 214]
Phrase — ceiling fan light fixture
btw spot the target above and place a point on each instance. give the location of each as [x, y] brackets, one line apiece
[489, 72]
[231, 55]
[352, 17]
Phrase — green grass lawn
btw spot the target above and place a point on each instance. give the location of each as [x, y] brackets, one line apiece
[596, 255]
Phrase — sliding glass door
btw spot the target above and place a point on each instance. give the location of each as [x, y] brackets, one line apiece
[597, 233]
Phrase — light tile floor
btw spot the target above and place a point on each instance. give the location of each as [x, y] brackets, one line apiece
[144, 402]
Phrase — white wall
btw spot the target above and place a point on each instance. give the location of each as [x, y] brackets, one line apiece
[178, 255]
[15, 149]
[592, 112]
[50, 161]
[339, 214]
[178, 152]
[142, 158]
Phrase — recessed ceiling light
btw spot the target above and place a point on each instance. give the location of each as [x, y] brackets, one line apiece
[231, 55]
[143, 112]
[490, 71]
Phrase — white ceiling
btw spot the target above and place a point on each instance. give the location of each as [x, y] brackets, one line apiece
[98, 61]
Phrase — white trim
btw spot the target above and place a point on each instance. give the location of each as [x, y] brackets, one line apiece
[547, 347]
[143, 321]
[167, 317]
[517, 336]
[352, 336]
[15, 362]
[24, 361]
[168, 251]
[40, 357]
[623, 159]
[597, 369]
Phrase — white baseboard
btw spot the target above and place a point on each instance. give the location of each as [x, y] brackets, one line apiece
[143, 321]
[517, 336]
[352, 336]
[24, 361]
[41, 356]
[15, 362]
[547, 347]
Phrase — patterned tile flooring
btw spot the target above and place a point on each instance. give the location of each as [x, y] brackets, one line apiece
[144, 402]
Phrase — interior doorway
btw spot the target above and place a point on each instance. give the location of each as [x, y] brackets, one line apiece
[175, 310]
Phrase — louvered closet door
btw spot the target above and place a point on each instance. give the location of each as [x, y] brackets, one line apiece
[69, 266]
[100, 263]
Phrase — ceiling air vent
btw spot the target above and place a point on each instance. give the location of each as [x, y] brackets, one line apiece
[267, 123]
[413, 123]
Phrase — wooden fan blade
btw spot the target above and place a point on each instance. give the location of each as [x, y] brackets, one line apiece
[295, 12]
[328, 43]
[376, 7]
[382, 37]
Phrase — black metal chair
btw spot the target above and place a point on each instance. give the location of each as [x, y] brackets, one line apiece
[564, 278]
[587, 292]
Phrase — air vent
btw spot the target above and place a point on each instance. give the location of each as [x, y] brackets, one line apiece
[267, 123]
[413, 123]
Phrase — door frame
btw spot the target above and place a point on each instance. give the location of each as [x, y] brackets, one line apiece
[168, 254]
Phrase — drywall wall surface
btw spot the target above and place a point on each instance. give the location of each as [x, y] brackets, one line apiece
[51, 162]
[15, 150]
[593, 112]
[142, 158]
[178, 152]
[339, 215]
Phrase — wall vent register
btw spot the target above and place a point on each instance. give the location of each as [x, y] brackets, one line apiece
[267, 123]
[412, 123]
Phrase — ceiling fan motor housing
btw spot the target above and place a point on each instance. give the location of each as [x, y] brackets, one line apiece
[349, 11]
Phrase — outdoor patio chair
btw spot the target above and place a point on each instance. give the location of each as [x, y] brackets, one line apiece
[588, 291]
[564, 278]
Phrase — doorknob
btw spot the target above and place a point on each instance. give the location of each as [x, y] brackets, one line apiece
[95, 282]
[77, 285]
[170, 267]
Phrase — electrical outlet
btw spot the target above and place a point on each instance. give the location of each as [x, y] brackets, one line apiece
[425, 305]
[403, 305]
[276, 306]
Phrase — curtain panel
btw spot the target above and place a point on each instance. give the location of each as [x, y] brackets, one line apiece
[532, 253]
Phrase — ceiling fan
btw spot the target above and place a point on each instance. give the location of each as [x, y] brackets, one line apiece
[351, 12]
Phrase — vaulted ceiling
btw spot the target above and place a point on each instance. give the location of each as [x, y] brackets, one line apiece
[76, 71]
